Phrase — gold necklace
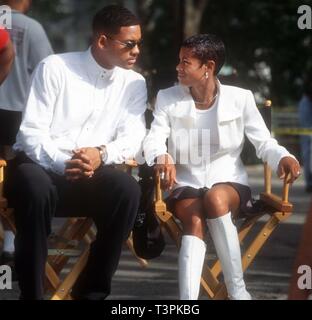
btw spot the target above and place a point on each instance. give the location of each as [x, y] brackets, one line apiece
[206, 102]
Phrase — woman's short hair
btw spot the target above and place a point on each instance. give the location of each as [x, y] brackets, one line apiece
[207, 47]
[111, 18]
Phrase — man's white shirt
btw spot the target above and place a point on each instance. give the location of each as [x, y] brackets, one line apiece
[75, 103]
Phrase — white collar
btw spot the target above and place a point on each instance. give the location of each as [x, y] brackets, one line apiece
[94, 69]
[227, 110]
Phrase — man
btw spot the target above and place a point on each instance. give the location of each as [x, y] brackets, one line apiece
[31, 46]
[6, 54]
[85, 112]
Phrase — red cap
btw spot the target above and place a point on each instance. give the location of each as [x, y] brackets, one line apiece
[4, 38]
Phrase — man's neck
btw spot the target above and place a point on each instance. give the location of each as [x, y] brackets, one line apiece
[100, 61]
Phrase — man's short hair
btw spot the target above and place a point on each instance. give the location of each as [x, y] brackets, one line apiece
[111, 18]
[207, 47]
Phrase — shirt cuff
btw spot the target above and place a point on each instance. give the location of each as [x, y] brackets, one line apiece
[58, 165]
[284, 153]
[110, 154]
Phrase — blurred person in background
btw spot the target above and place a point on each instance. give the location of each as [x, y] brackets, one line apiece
[31, 45]
[305, 121]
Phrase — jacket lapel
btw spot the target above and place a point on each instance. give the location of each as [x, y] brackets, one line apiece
[227, 109]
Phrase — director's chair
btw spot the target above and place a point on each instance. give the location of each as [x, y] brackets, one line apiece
[70, 242]
[273, 208]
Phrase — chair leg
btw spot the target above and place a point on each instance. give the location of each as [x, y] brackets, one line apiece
[262, 237]
[64, 288]
[52, 277]
[73, 229]
[129, 243]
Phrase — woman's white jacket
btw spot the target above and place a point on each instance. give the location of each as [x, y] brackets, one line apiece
[237, 117]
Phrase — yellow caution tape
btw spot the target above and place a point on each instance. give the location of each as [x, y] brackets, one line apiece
[293, 131]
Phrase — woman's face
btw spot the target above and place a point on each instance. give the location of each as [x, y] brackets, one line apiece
[191, 71]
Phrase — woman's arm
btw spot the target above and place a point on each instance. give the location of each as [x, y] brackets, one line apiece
[267, 148]
[155, 148]
[155, 143]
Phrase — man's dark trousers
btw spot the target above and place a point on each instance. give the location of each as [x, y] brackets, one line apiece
[111, 197]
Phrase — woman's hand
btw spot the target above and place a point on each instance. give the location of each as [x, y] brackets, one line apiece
[165, 168]
[288, 165]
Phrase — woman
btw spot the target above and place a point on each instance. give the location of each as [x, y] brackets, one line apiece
[205, 122]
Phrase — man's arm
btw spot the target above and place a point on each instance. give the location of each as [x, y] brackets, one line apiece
[6, 54]
[127, 145]
[34, 134]
[131, 128]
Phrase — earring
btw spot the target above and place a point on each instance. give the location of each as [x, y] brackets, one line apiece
[206, 75]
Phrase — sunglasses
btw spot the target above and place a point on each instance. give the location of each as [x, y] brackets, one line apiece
[130, 44]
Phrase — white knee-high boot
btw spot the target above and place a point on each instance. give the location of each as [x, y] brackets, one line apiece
[191, 259]
[225, 237]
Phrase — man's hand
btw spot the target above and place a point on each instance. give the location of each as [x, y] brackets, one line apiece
[165, 168]
[83, 163]
[89, 155]
[288, 165]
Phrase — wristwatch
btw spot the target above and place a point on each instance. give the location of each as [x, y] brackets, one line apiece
[103, 153]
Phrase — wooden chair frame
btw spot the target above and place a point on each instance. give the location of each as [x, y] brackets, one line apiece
[72, 240]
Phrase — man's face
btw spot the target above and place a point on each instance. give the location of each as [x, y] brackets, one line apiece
[122, 49]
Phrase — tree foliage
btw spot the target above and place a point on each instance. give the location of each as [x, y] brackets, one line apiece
[264, 44]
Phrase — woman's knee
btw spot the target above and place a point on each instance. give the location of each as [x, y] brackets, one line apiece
[193, 222]
[216, 203]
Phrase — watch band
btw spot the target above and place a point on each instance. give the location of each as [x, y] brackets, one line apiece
[103, 153]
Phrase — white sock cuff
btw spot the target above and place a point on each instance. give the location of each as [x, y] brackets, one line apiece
[226, 218]
[188, 239]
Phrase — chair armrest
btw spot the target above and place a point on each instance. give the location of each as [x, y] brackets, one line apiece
[279, 203]
[2, 163]
[3, 201]
[276, 202]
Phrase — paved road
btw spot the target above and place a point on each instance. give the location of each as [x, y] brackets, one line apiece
[267, 278]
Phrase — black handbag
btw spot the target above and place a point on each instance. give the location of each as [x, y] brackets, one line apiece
[148, 240]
